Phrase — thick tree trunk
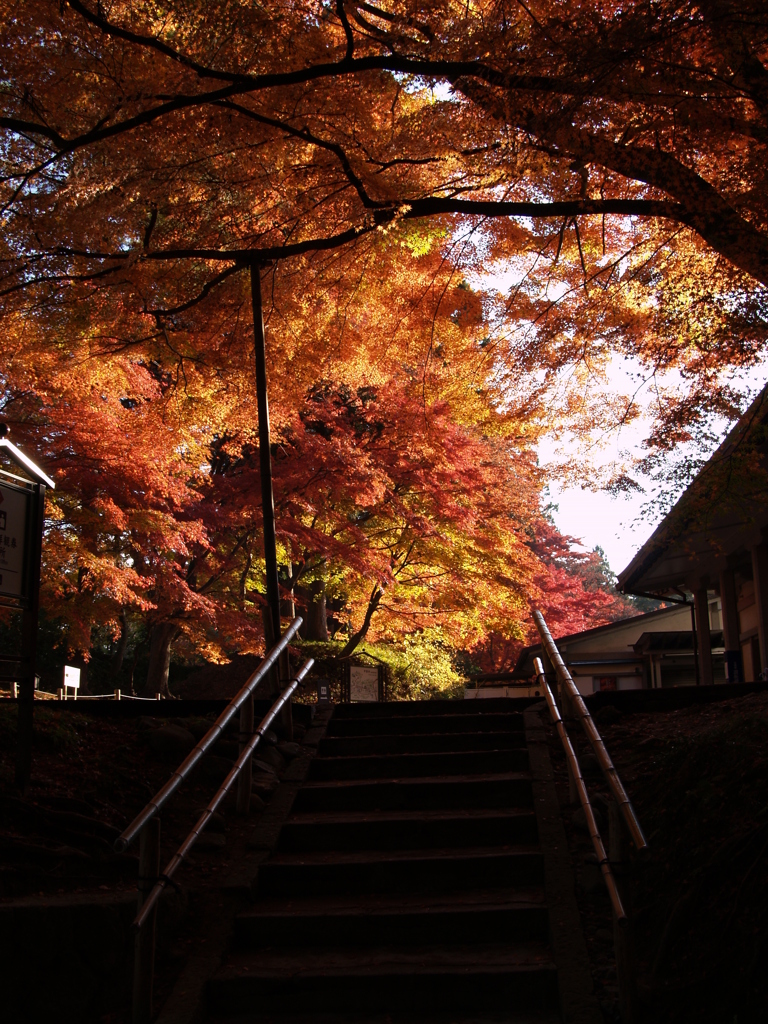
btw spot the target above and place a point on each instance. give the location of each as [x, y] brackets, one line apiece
[317, 617]
[163, 635]
[359, 636]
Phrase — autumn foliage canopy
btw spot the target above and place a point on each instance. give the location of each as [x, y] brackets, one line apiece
[460, 215]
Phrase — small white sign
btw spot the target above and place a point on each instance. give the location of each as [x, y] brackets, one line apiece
[363, 683]
[71, 677]
[13, 528]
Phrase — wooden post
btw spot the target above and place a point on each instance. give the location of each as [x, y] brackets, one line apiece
[61, 693]
[760, 578]
[695, 645]
[617, 840]
[701, 611]
[245, 778]
[144, 946]
[734, 670]
[265, 454]
[118, 695]
[284, 673]
[26, 705]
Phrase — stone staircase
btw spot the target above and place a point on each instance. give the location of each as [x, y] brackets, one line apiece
[408, 883]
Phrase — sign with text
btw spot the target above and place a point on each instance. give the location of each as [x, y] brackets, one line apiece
[363, 683]
[14, 516]
[71, 677]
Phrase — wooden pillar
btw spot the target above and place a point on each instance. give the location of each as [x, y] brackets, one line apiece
[701, 603]
[734, 673]
[760, 577]
[695, 645]
[265, 454]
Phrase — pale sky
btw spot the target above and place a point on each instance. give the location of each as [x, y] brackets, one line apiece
[617, 525]
[598, 519]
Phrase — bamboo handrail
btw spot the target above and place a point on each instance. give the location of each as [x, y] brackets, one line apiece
[581, 789]
[124, 840]
[604, 759]
[178, 857]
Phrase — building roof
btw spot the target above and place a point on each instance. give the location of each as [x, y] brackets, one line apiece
[716, 521]
[635, 624]
[675, 640]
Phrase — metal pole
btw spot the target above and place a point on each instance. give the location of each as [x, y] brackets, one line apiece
[265, 455]
[144, 946]
[26, 705]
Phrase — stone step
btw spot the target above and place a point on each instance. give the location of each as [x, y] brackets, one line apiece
[419, 743]
[327, 872]
[431, 708]
[400, 766]
[500, 789]
[421, 1016]
[392, 830]
[485, 916]
[520, 977]
[392, 725]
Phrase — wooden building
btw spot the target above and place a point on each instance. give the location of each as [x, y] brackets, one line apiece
[642, 652]
[712, 547]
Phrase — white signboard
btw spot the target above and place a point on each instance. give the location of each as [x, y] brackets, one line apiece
[13, 527]
[363, 683]
[71, 677]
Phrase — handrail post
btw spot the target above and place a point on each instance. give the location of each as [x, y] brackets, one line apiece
[617, 847]
[623, 933]
[577, 703]
[245, 778]
[284, 675]
[144, 944]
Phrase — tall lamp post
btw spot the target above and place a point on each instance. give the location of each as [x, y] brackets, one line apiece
[265, 454]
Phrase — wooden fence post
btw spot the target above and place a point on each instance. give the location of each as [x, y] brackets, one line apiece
[144, 945]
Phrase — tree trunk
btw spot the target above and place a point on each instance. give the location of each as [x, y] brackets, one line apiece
[287, 606]
[359, 636]
[122, 643]
[317, 618]
[163, 635]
